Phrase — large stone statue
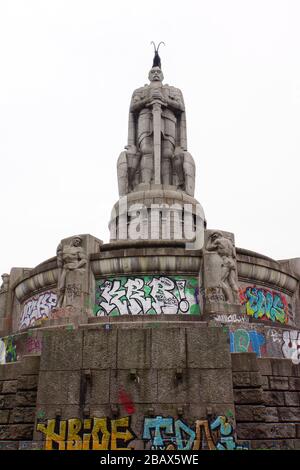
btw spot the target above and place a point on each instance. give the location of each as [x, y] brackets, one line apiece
[157, 144]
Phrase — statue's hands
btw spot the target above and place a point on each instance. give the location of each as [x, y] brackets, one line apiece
[156, 94]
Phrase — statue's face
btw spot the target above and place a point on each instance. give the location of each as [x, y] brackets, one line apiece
[77, 242]
[155, 75]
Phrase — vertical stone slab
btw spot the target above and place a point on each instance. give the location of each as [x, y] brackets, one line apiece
[76, 283]
[220, 273]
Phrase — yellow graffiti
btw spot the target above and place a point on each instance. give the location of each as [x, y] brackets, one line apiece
[71, 434]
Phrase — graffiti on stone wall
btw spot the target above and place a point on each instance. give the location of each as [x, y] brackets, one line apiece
[8, 350]
[264, 304]
[158, 433]
[37, 308]
[231, 318]
[291, 345]
[151, 295]
[175, 434]
[284, 343]
[242, 340]
[33, 346]
[87, 434]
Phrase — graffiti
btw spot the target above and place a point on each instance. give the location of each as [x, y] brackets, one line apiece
[264, 304]
[147, 295]
[247, 341]
[159, 433]
[232, 318]
[275, 336]
[34, 346]
[291, 345]
[8, 350]
[37, 308]
[170, 434]
[74, 290]
[87, 434]
[126, 401]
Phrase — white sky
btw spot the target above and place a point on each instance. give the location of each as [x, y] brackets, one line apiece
[68, 69]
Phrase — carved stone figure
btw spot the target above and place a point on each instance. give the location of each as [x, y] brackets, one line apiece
[157, 144]
[228, 276]
[70, 257]
[5, 282]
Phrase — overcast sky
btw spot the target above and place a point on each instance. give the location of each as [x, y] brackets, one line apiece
[68, 69]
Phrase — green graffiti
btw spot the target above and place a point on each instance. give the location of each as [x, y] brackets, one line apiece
[147, 295]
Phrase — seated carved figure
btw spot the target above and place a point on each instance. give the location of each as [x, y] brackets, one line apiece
[157, 126]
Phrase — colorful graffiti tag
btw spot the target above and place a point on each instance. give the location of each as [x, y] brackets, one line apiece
[37, 308]
[247, 341]
[158, 433]
[87, 434]
[149, 295]
[264, 304]
[8, 350]
[175, 434]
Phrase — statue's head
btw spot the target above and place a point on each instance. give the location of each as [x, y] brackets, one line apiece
[155, 75]
[77, 241]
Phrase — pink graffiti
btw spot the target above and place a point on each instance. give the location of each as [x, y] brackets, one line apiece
[34, 346]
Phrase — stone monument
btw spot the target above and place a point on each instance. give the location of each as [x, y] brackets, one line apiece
[169, 337]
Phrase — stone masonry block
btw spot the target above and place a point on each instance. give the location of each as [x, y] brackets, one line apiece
[269, 444]
[244, 362]
[30, 364]
[295, 370]
[28, 382]
[7, 401]
[16, 431]
[208, 348]
[62, 350]
[289, 413]
[278, 383]
[9, 371]
[9, 386]
[100, 349]
[4, 416]
[134, 349]
[209, 386]
[250, 413]
[281, 366]
[294, 383]
[59, 387]
[26, 398]
[264, 365]
[266, 431]
[99, 387]
[248, 396]
[273, 398]
[271, 415]
[168, 348]
[23, 415]
[172, 390]
[292, 398]
[246, 379]
[139, 386]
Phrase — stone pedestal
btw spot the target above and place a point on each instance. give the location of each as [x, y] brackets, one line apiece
[158, 212]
